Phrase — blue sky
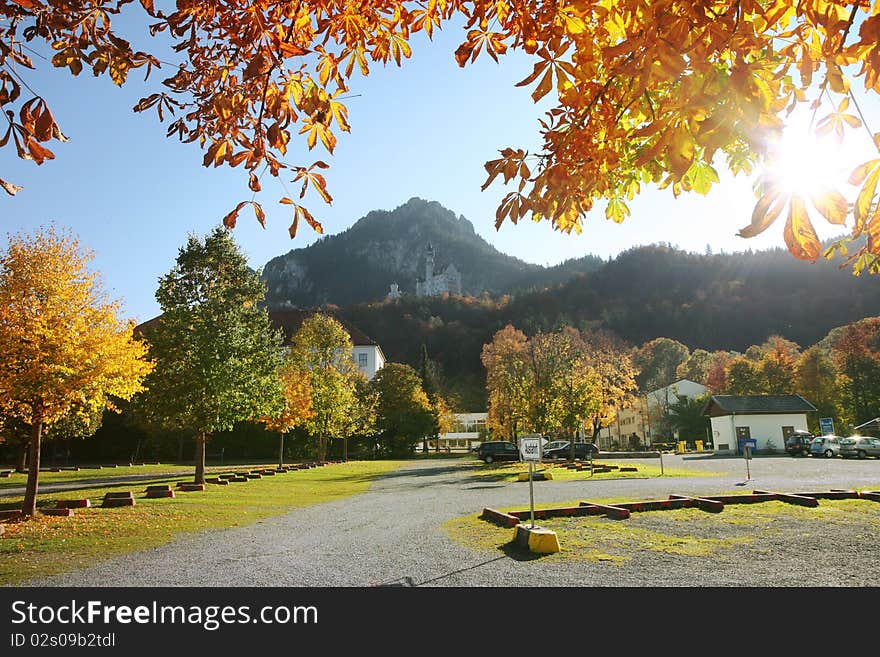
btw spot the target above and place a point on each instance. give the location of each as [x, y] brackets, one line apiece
[425, 130]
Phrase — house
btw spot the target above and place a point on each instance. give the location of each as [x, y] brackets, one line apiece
[366, 352]
[464, 435]
[632, 424]
[766, 419]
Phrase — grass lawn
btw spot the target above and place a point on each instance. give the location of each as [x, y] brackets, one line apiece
[48, 545]
[510, 471]
[18, 479]
[690, 532]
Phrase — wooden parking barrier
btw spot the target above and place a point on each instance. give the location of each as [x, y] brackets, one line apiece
[189, 488]
[702, 503]
[833, 495]
[5, 473]
[13, 514]
[218, 480]
[73, 504]
[791, 498]
[499, 518]
[613, 512]
[112, 500]
[559, 512]
[873, 495]
[57, 512]
[743, 498]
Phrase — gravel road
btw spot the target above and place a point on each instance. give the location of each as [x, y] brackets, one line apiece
[392, 535]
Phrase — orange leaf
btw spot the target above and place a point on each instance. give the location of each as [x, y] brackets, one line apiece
[254, 182]
[286, 201]
[261, 216]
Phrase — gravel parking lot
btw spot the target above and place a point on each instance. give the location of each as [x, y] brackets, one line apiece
[393, 535]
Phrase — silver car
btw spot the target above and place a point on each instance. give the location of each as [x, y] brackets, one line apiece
[826, 446]
[860, 446]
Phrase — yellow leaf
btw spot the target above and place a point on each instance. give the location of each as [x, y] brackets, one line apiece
[831, 204]
[800, 237]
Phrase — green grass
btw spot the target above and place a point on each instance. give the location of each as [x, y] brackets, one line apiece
[600, 539]
[510, 471]
[20, 479]
[48, 545]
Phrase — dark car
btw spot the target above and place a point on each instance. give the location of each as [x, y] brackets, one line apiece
[581, 451]
[799, 443]
[498, 450]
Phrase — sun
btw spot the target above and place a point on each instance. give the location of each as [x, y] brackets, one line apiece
[803, 163]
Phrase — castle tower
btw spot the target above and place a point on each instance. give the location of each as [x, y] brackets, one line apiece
[429, 268]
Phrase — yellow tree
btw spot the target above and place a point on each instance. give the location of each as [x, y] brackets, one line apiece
[296, 388]
[63, 347]
[509, 381]
[646, 92]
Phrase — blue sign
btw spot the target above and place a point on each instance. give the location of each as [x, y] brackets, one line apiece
[826, 426]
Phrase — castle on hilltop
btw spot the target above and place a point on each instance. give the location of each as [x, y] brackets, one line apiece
[448, 281]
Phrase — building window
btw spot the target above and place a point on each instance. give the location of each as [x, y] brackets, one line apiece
[362, 360]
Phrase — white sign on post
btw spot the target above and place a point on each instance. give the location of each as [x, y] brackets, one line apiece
[530, 448]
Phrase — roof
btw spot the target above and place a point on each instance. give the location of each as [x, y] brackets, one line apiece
[290, 319]
[756, 405]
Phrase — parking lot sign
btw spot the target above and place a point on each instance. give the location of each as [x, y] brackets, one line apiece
[530, 448]
[826, 426]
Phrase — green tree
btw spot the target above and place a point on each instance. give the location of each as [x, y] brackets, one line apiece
[744, 377]
[686, 417]
[323, 348]
[658, 362]
[403, 414]
[217, 356]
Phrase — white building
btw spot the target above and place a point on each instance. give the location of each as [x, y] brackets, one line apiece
[447, 281]
[465, 433]
[367, 353]
[766, 419]
[634, 421]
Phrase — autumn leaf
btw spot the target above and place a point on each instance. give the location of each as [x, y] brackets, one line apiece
[799, 235]
[9, 188]
[766, 210]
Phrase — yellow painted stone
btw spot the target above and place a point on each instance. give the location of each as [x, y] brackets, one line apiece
[537, 539]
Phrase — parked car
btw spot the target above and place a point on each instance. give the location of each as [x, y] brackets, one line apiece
[581, 451]
[799, 442]
[826, 446]
[860, 446]
[498, 450]
[553, 444]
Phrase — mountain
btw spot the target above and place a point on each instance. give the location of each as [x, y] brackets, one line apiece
[358, 264]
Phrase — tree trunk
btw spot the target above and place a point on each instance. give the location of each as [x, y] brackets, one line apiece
[322, 448]
[21, 458]
[29, 508]
[180, 449]
[201, 439]
[281, 449]
[425, 445]
[345, 449]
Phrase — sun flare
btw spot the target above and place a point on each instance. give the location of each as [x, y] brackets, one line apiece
[804, 163]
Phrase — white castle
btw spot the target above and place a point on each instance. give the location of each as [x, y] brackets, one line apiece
[448, 281]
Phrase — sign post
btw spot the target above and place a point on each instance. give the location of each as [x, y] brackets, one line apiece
[747, 452]
[530, 448]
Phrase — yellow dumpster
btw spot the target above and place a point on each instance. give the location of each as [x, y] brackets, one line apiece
[681, 446]
[699, 445]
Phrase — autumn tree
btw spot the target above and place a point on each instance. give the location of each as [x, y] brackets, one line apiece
[509, 381]
[658, 362]
[609, 357]
[696, 368]
[217, 356]
[403, 414]
[63, 347]
[778, 366]
[296, 390]
[323, 348]
[744, 377]
[817, 382]
[441, 408]
[856, 353]
[642, 93]
[361, 420]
